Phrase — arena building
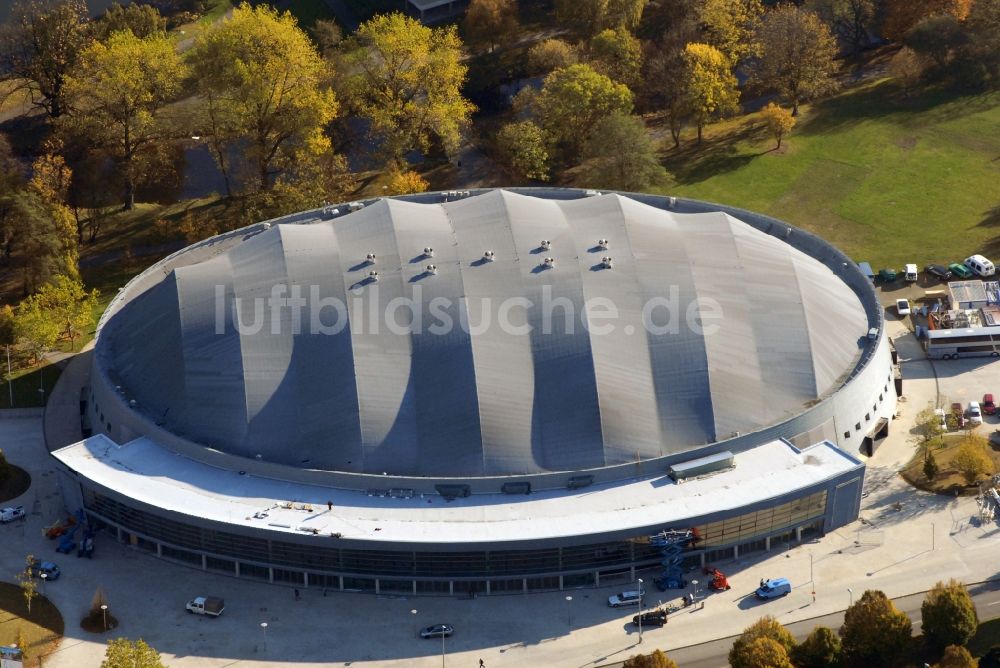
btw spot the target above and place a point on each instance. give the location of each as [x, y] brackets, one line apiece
[483, 391]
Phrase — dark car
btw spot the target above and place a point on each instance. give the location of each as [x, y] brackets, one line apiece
[437, 631]
[960, 270]
[47, 568]
[938, 271]
[989, 407]
[651, 618]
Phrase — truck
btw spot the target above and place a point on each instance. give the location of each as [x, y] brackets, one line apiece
[11, 513]
[206, 605]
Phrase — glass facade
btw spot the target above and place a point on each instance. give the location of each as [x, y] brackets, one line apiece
[468, 572]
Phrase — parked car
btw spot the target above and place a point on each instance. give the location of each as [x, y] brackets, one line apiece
[11, 513]
[989, 407]
[938, 271]
[975, 413]
[625, 598]
[887, 275]
[651, 618]
[437, 631]
[980, 265]
[773, 588]
[910, 273]
[960, 270]
[211, 606]
[50, 570]
[902, 307]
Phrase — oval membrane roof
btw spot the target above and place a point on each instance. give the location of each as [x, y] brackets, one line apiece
[497, 334]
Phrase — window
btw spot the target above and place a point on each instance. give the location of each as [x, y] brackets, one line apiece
[847, 434]
[880, 396]
[868, 417]
[857, 426]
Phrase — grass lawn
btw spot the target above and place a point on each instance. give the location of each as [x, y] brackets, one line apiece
[948, 480]
[887, 179]
[42, 629]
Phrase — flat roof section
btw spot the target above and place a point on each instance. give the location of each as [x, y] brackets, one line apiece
[148, 473]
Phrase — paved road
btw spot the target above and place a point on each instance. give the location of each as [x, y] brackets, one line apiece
[714, 654]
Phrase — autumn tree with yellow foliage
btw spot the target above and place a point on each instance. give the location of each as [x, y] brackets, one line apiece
[710, 84]
[779, 121]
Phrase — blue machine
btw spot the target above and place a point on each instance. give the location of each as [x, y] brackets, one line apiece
[672, 544]
[67, 542]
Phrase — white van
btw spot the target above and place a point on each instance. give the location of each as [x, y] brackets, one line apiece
[625, 598]
[910, 273]
[980, 265]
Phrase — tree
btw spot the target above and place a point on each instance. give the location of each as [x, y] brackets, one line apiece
[573, 100]
[850, 20]
[928, 426]
[971, 459]
[406, 79]
[36, 330]
[983, 28]
[710, 84]
[620, 155]
[617, 54]
[938, 38]
[655, 660]
[949, 615]
[779, 121]
[41, 232]
[125, 653]
[327, 35]
[551, 54]
[117, 89]
[875, 633]
[523, 150]
[29, 588]
[41, 43]
[21, 642]
[587, 17]
[264, 88]
[747, 651]
[405, 182]
[956, 657]
[490, 22]
[624, 13]
[69, 304]
[729, 26]
[931, 468]
[665, 82]
[797, 55]
[901, 15]
[821, 649]
[142, 20]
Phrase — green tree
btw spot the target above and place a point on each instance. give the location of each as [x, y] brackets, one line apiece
[931, 468]
[490, 22]
[69, 304]
[983, 49]
[949, 615]
[523, 150]
[901, 15]
[620, 155]
[820, 649]
[797, 55]
[117, 89]
[21, 641]
[572, 101]
[971, 459]
[851, 20]
[40, 45]
[938, 38]
[141, 19]
[779, 121]
[956, 657]
[655, 660]
[665, 83]
[729, 26]
[551, 54]
[588, 17]
[41, 233]
[29, 588]
[710, 84]
[624, 13]
[406, 79]
[36, 330]
[125, 653]
[747, 651]
[265, 88]
[928, 426]
[875, 633]
[616, 54]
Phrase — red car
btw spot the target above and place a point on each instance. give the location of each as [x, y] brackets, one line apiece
[989, 407]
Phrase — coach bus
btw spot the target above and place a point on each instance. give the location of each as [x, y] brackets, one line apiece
[949, 344]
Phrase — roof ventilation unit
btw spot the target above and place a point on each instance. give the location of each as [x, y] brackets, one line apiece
[428, 251]
[602, 244]
[545, 244]
[606, 262]
[432, 269]
[370, 258]
[265, 226]
[592, 193]
[354, 206]
[671, 202]
[373, 276]
[488, 256]
[549, 262]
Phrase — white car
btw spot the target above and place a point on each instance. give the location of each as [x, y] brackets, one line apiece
[942, 422]
[11, 513]
[902, 307]
[975, 413]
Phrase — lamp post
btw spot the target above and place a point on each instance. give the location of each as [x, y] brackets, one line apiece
[695, 583]
[442, 648]
[851, 593]
[45, 576]
[569, 609]
[263, 628]
[414, 613]
[104, 615]
[640, 610]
